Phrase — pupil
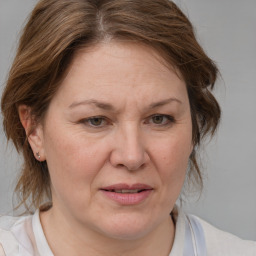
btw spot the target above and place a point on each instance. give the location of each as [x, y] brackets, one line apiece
[96, 121]
[158, 119]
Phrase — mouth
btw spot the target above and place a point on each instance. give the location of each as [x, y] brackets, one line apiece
[125, 194]
[126, 191]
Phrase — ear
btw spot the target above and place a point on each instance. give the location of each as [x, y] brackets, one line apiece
[34, 132]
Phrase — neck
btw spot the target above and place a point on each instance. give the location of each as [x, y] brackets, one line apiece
[66, 238]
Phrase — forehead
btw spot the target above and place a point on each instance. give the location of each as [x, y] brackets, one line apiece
[106, 56]
[114, 67]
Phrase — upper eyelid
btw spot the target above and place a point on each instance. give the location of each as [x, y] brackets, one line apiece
[164, 115]
[93, 117]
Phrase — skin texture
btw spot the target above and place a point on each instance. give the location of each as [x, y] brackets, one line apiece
[126, 143]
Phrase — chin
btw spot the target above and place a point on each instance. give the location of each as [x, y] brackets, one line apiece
[127, 227]
[128, 234]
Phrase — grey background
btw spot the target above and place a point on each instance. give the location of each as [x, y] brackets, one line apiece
[227, 31]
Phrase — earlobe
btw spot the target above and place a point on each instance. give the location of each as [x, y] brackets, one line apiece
[34, 131]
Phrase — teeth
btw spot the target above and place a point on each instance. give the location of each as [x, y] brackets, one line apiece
[125, 191]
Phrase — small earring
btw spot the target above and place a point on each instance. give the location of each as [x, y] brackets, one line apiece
[38, 156]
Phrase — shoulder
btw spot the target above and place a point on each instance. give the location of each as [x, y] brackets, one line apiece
[221, 243]
[6, 222]
[11, 228]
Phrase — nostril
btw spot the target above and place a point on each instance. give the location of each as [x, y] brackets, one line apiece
[130, 167]
[129, 157]
[120, 166]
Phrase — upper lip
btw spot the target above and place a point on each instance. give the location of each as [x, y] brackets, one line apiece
[120, 186]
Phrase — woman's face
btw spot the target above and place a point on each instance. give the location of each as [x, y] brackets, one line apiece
[117, 137]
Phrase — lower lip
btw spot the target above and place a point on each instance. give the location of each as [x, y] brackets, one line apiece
[128, 198]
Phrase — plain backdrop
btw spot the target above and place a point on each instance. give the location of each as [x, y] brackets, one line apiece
[227, 31]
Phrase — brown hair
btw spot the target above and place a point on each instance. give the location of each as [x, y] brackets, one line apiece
[57, 29]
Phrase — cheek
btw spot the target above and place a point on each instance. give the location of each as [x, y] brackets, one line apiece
[172, 160]
[174, 152]
[73, 162]
[73, 165]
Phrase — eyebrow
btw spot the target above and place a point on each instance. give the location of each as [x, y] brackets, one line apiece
[164, 102]
[94, 102]
[107, 106]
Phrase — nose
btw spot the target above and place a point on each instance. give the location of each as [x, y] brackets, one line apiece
[129, 149]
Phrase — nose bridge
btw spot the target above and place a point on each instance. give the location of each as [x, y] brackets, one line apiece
[129, 147]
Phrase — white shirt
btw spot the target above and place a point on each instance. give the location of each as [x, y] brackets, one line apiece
[24, 236]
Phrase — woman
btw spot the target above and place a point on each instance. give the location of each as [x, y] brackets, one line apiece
[108, 102]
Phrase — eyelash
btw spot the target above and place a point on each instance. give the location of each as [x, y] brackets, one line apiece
[88, 121]
[169, 119]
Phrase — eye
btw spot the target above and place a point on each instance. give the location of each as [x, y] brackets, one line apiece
[160, 119]
[96, 121]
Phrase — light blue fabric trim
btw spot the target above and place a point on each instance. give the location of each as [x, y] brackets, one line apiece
[194, 238]
[188, 244]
